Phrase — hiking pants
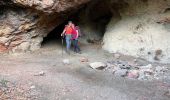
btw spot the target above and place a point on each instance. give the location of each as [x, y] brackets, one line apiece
[76, 46]
[68, 42]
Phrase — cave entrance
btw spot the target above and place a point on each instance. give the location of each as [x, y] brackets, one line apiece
[53, 39]
[92, 20]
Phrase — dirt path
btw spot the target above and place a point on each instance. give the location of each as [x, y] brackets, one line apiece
[75, 81]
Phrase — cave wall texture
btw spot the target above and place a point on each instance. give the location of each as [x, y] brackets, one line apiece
[141, 29]
[138, 28]
[24, 23]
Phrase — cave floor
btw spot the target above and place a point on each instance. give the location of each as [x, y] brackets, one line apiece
[76, 81]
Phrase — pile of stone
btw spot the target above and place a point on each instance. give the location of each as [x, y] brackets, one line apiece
[131, 70]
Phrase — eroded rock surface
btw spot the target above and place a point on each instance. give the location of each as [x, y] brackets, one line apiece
[24, 23]
[141, 29]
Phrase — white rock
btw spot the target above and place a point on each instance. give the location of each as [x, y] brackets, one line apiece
[66, 61]
[147, 67]
[135, 60]
[41, 73]
[32, 87]
[98, 65]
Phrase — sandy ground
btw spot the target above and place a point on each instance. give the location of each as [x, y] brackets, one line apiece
[76, 81]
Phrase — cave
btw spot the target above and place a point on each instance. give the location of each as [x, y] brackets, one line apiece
[54, 37]
[92, 25]
[128, 27]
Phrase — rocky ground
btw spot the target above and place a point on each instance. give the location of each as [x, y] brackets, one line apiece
[47, 75]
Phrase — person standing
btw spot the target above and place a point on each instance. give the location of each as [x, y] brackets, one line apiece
[75, 35]
[67, 32]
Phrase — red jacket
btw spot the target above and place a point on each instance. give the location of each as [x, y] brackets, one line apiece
[75, 33]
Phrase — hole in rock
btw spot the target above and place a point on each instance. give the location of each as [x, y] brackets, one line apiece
[53, 39]
[92, 20]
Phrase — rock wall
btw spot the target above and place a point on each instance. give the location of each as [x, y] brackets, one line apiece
[141, 29]
[24, 23]
[138, 27]
[93, 20]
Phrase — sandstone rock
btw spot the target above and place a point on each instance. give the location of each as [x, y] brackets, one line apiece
[98, 65]
[2, 48]
[121, 73]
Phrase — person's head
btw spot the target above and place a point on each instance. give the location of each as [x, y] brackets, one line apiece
[70, 23]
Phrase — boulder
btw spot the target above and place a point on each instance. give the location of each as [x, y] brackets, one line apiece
[98, 65]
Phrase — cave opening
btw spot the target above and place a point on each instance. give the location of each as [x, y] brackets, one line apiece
[54, 37]
[92, 24]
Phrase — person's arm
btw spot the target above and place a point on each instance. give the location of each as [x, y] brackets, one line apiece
[63, 33]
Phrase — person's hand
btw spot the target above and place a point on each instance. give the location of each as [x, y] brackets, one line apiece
[61, 35]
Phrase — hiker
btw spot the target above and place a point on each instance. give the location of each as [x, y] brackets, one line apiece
[67, 32]
[75, 36]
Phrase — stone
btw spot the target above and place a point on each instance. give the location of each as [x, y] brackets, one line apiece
[123, 64]
[142, 75]
[160, 69]
[133, 74]
[84, 59]
[41, 73]
[149, 66]
[98, 65]
[32, 87]
[148, 69]
[110, 68]
[135, 60]
[66, 61]
[121, 73]
[2, 48]
[117, 56]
